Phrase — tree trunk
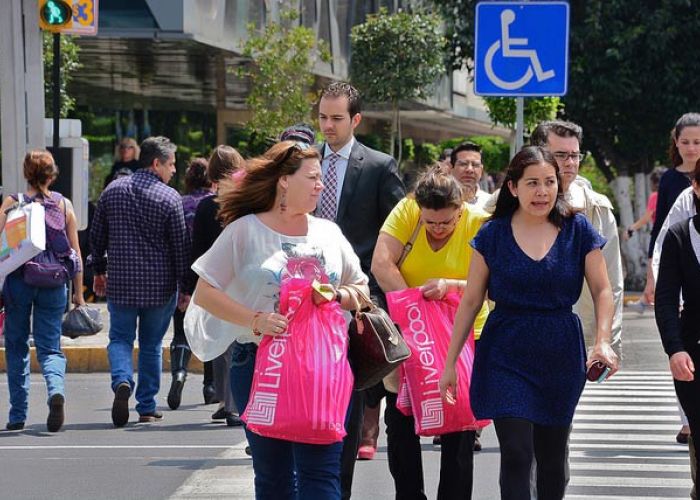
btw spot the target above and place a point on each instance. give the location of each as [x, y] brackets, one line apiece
[394, 107]
[398, 132]
[633, 255]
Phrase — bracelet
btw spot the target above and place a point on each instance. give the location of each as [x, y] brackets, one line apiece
[253, 325]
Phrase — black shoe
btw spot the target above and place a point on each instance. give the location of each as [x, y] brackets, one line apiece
[437, 441]
[175, 394]
[219, 414]
[477, 444]
[149, 418]
[248, 451]
[209, 393]
[14, 426]
[233, 420]
[120, 406]
[54, 422]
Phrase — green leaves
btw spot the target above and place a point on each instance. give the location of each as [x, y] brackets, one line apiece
[502, 110]
[283, 55]
[70, 63]
[397, 56]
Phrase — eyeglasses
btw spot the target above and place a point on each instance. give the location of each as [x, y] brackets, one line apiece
[440, 225]
[562, 156]
[297, 146]
[126, 146]
[468, 163]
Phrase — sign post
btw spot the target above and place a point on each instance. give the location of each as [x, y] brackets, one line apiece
[521, 50]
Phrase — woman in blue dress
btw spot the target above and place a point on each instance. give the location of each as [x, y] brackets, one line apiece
[530, 363]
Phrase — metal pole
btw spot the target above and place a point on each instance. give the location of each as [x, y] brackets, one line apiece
[56, 90]
[519, 123]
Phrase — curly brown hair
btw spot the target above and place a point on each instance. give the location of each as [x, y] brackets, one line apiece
[257, 190]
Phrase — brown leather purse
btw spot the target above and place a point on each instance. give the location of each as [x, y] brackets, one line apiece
[376, 344]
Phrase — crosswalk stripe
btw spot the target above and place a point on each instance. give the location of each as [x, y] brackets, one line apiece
[622, 444]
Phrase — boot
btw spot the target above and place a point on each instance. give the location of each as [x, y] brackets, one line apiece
[179, 358]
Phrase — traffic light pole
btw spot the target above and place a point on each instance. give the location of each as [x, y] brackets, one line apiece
[56, 89]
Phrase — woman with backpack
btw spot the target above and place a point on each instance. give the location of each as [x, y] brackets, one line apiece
[37, 290]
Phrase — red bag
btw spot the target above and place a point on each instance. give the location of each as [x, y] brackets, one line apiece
[427, 327]
[302, 383]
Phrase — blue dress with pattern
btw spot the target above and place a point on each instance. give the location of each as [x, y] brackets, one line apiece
[530, 360]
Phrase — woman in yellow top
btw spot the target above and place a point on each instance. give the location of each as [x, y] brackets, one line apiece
[438, 263]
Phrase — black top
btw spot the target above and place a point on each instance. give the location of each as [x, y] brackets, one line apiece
[671, 185]
[132, 165]
[679, 271]
[206, 228]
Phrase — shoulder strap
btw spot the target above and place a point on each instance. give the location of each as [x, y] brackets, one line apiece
[409, 245]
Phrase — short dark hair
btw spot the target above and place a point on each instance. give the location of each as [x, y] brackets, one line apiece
[507, 204]
[156, 148]
[196, 175]
[343, 89]
[557, 127]
[436, 190]
[655, 175]
[300, 132]
[465, 146]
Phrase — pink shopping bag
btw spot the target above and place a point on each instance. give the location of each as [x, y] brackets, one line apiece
[302, 382]
[403, 398]
[427, 326]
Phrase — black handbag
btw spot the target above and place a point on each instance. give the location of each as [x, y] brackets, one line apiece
[376, 344]
[82, 321]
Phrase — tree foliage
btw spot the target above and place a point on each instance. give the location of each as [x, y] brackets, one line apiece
[397, 57]
[632, 73]
[70, 63]
[502, 110]
[283, 55]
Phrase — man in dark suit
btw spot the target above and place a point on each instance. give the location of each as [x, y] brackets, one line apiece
[361, 187]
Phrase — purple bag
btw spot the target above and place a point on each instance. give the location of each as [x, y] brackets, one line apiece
[59, 263]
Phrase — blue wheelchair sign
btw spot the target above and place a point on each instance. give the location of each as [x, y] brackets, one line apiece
[521, 49]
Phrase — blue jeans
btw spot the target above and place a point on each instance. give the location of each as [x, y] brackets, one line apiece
[46, 306]
[283, 469]
[152, 323]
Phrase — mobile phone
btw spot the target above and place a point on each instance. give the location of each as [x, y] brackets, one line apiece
[324, 289]
[597, 372]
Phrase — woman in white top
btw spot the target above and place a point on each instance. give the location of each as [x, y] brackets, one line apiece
[269, 234]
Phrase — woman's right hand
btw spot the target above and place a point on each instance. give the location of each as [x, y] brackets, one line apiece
[272, 324]
[448, 384]
[682, 367]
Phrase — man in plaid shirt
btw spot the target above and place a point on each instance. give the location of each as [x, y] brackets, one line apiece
[140, 252]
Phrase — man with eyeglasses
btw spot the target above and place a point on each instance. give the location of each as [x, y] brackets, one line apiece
[563, 140]
[466, 167]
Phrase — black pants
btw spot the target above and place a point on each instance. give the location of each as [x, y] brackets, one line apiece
[689, 396]
[351, 442]
[520, 440]
[406, 464]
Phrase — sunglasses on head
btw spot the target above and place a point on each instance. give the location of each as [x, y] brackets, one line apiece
[297, 146]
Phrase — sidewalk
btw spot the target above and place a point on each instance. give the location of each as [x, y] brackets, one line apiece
[89, 354]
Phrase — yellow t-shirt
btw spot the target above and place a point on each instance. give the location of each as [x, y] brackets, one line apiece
[423, 263]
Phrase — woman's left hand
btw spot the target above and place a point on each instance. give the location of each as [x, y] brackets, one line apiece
[321, 299]
[604, 353]
[434, 289]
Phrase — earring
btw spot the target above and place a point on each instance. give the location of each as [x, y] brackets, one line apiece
[283, 202]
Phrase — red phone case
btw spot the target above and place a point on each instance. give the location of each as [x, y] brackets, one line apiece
[595, 371]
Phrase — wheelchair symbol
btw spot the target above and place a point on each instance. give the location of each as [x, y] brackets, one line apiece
[506, 43]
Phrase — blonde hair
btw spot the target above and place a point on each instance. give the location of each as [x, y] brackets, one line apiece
[127, 141]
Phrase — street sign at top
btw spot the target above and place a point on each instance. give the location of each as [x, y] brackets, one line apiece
[521, 49]
[83, 19]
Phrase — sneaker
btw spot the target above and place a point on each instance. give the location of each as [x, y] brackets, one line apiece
[54, 422]
[120, 406]
[14, 426]
[233, 420]
[149, 418]
[366, 452]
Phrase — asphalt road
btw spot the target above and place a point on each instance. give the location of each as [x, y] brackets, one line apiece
[187, 456]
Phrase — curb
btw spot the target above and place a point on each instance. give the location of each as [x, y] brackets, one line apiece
[95, 359]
